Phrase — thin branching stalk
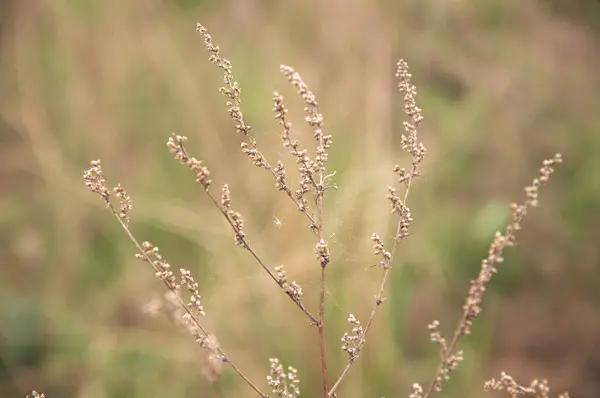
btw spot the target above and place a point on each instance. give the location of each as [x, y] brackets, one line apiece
[308, 168]
[320, 235]
[224, 356]
[450, 357]
[246, 245]
[232, 91]
[176, 145]
[417, 151]
[122, 217]
[378, 299]
[537, 388]
[322, 333]
[313, 183]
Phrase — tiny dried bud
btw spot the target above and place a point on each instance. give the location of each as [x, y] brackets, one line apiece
[322, 251]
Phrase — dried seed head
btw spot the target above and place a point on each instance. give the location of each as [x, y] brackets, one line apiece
[409, 141]
[192, 286]
[283, 385]
[417, 391]
[237, 222]
[124, 203]
[436, 336]
[352, 342]
[201, 172]
[280, 182]
[94, 180]
[322, 252]
[152, 256]
[294, 290]
[313, 117]
[225, 197]
[231, 90]
[472, 306]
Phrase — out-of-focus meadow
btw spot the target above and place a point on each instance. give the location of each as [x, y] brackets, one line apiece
[502, 84]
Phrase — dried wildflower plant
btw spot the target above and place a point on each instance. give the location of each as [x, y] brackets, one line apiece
[178, 284]
[450, 356]
[308, 197]
[536, 388]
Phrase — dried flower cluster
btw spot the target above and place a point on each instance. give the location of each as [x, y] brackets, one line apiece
[283, 385]
[450, 360]
[417, 391]
[175, 145]
[352, 342]
[293, 289]
[472, 305]
[231, 90]
[313, 118]
[151, 255]
[94, 180]
[379, 250]
[322, 251]
[409, 142]
[536, 388]
[235, 218]
[399, 206]
[305, 164]
[125, 205]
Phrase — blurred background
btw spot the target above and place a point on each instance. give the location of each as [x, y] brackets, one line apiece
[502, 85]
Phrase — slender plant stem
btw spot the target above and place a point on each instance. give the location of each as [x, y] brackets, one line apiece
[247, 246]
[286, 189]
[323, 264]
[379, 298]
[322, 332]
[319, 193]
[446, 354]
[196, 321]
[458, 333]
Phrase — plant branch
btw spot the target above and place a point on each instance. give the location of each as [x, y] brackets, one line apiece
[417, 150]
[247, 246]
[190, 313]
[379, 299]
[472, 307]
[177, 146]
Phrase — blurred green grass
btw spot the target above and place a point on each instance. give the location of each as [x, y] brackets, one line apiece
[502, 86]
